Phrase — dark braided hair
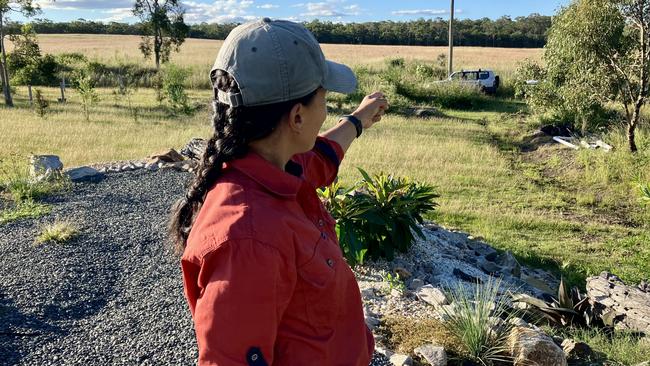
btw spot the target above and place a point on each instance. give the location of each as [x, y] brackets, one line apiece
[234, 129]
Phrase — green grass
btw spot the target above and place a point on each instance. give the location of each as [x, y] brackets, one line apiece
[23, 210]
[612, 349]
[58, 232]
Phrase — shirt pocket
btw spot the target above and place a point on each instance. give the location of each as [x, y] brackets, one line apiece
[319, 284]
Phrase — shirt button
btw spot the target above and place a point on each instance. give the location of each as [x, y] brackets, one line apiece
[330, 262]
[254, 357]
[321, 223]
[323, 235]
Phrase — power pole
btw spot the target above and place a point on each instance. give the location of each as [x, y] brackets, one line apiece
[451, 39]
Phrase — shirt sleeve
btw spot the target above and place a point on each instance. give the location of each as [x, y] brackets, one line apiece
[321, 164]
[244, 289]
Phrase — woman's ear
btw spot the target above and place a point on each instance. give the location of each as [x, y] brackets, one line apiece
[296, 121]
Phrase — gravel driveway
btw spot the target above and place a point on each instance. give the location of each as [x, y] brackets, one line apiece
[113, 295]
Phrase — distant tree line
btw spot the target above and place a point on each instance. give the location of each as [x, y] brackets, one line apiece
[521, 32]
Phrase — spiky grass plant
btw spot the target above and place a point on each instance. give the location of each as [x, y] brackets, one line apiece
[644, 190]
[481, 321]
[57, 232]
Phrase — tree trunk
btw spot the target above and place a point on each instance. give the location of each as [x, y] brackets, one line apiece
[630, 137]
[3, 66]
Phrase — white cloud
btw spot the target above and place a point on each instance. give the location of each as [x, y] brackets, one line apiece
[220, 11]
[425, 12]
[85, 4]
[268, 6]
[118, 15]
[328, 9]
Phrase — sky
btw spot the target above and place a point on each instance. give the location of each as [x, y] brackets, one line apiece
[225, 11]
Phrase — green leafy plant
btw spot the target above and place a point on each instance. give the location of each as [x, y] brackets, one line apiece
[481, 321]
[85, 86]
[379, 215]
[571, 308]
[394, 282]
[24, 210]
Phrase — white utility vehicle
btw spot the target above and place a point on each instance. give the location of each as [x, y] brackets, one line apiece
[485, 80]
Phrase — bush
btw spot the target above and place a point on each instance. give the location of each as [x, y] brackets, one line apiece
[380, 216]
[174, 87]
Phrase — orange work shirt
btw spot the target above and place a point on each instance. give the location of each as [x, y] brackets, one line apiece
[263, 272]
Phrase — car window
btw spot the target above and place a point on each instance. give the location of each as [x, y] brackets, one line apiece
[455, 76]
[483, 75]
[471, 76]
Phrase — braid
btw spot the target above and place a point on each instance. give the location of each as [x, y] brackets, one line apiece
[234, 129]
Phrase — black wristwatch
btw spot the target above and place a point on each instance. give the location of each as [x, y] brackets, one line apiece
[355, 121]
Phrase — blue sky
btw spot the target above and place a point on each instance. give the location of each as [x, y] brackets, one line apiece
[335, 10]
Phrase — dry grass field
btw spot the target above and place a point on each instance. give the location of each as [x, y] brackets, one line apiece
[200, 53]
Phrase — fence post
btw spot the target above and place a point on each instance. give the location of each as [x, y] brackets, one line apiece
[62, 100]
[31, 99]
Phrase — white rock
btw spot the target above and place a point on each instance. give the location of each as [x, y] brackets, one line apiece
[40, 164]
[401, 360]
[384, 351]
[435, 355]
[432, 295]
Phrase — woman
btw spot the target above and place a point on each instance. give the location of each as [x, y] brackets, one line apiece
[263, 273]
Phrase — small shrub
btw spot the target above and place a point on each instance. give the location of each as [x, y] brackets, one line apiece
[380, 216]
[40, 103]
[85, 86]
[126, 87]
[481, 321]
[174, 88]
[58, 232]
[394, 282]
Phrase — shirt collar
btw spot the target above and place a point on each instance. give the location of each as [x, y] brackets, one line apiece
[285, 183]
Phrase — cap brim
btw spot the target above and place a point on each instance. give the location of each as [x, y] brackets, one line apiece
[340, 78]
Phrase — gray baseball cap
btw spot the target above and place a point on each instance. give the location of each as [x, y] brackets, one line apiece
[275, 61]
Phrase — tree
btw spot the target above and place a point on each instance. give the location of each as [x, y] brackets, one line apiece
[598, 52]
[27, 8]
[163, 26]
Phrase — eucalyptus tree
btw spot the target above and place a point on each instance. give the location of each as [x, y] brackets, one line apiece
[163, 27]
[598, 52]
[26, 8]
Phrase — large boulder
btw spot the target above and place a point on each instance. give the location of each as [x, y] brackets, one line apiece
[532, 347]
[44, 167]
[626, 307]
[84, 174]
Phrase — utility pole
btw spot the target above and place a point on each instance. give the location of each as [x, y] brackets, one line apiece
[451, 39]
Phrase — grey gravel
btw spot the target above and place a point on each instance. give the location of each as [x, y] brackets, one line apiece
[111, 296]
